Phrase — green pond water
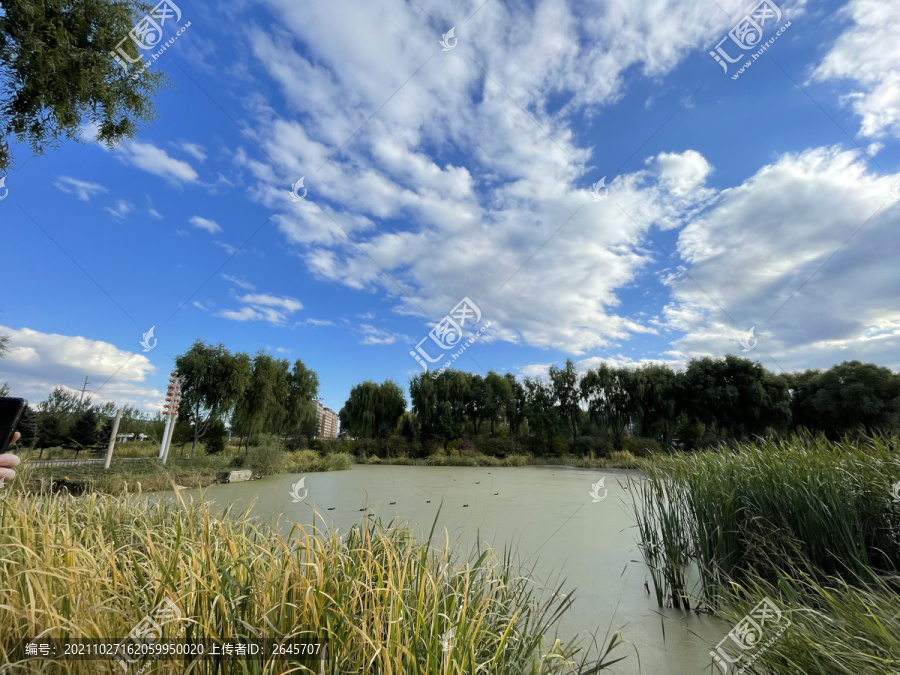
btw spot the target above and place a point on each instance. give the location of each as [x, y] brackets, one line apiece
[547, 514]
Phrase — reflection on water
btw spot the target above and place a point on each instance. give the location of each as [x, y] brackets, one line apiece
[557, 519]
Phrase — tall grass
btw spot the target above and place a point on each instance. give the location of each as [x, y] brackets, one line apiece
[94, 566]
[836, 628]
[732, 513]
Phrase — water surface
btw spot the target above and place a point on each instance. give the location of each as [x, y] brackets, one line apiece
[546, 514]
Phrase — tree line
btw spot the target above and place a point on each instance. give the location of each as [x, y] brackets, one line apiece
[254, 395]
[712, 400]
[221, 390]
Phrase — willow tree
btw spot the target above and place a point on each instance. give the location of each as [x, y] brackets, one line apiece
[58, 59]
[372, 410]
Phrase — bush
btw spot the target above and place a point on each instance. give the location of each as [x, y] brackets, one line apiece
[585, 445]
[295, 443]
[641, 447]
[215, 438]
[499, 447]
[624, 460]
[561, 446]
[337, 461]
[268, 457]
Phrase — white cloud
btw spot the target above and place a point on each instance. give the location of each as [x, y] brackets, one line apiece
[156, 161]
[246, 285]
[38, 362]
[121, 209]
[378, 336]
[263, 307]
[451, 187]
[229, 249]
[287, 304]
[868, 53]
[82, 189]
[210, 226]
[195, 150]
[759, 255]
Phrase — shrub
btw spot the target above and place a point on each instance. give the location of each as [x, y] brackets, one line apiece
[268, 457]
[337, 461]
[585, 445]
[215, 438]
[623, 460]
[560, 446]
[327, 445]
[499, 447]
[516, 460]
[641, 447]
[295, 443]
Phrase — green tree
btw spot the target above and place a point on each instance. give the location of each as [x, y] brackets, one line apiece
[303, 388]
[259, 400]
[373, 410]
[658, 393]
[515, 408]
[848, 397]
[541, 411]
[215, 438]
[475, 396]
[215, 380]
[497, 396]
[59, 72]
[733, 396]
[86, 432]
[613, 398]
[568, 394]
[423, 395]
[50, 432]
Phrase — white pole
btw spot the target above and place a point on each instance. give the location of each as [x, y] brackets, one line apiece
[169, 439]
[162, 447]
[112, 438]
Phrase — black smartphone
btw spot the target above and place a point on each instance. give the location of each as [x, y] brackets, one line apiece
[11, 410]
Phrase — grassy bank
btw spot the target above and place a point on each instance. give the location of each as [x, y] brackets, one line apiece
[149, 474]
[94, 566]
[807, 523]
[615, 460]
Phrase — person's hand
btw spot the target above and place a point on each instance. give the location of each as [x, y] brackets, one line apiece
[9, 462]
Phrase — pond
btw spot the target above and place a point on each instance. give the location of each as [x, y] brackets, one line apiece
[546, 514]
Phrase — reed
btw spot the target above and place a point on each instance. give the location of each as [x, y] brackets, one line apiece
[385, 601]
[744, 512]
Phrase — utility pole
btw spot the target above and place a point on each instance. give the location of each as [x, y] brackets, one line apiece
[83, 389]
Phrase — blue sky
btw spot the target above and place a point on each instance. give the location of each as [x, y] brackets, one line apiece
[434, 175]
